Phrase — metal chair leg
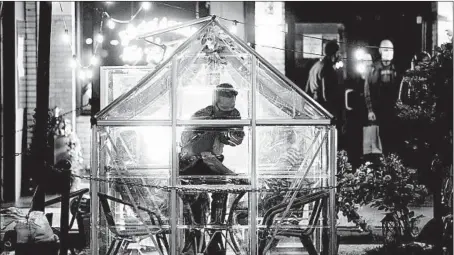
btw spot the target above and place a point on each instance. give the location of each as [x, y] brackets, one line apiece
[111, 247]
[117, 249]
[307, 243]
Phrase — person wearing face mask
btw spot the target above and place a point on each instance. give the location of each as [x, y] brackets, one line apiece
[322, 83]
[202, 154]
[381, 89]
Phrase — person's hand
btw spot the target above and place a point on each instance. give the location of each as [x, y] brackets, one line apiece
[235, 138]
[371, 116]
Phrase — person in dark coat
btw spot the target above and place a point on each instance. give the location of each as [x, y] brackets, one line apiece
[381, 89]
[202, 154]
[322, 84]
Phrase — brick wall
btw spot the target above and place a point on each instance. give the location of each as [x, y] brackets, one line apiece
[28, 91]
[60, 73]
[83, 131]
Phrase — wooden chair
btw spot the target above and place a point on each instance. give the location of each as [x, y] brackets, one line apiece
[123, 237]
[77, 237]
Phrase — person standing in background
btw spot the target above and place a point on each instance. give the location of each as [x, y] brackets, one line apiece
[381, 88]
[322, 84]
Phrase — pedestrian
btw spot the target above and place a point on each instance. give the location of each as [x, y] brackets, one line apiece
[381, 89]
[322, 84]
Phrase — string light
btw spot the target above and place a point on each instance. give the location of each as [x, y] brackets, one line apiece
[110, 24]
[131, 33]
[99, 38]
[146, 6]
[73, 62]
[66, 38]
[88, 74]
[94, 60]
[82, 74]
[233, 29]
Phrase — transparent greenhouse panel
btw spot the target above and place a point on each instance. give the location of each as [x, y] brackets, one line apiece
[279, 100]
[200, 72]
[143, 150]
[118, 215]
[291, 150]
[230, 143]
[146, 101]
[115, 81]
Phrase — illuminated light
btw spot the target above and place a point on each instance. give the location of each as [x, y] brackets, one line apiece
[125, 42]
[82, 75]
[418, 20]
[88, 41]
[99, 38]
[361, 68]
[233, 29]
[94, 60]
[131, 31]
[359, 54]
[114, 42]
[339, 65]
[163, 23]
[146, 6]
[122, 34]
[88, 74]
[110, 24]
[66, 38]
[109, 2]
[73, 62]
[132, 54]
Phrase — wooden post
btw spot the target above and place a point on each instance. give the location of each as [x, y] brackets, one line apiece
[249, 16]
[9, 100]
[42, 101]
[64, 214]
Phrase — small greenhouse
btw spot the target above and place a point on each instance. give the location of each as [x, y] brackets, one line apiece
[212, 152]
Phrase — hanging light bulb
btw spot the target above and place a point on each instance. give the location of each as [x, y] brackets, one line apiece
[88, 74]
[110, 24]
[66, 38]
[146, 6]
[114, 42]
[73, 62]
[99, 38]
[82, 75]
[88, 41]
[233, 29]
[94, 60]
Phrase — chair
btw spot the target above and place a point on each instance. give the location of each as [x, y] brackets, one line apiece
[77, 237]
[195, 236]
[124, 237]
[318, 198]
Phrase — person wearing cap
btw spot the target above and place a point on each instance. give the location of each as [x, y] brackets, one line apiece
[381, 88]
[322, 82]
[202, 154]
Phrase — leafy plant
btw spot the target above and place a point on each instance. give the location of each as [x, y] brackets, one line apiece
[387, 185]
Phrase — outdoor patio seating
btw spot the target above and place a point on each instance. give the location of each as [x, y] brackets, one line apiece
[133, 233]
[318, 198]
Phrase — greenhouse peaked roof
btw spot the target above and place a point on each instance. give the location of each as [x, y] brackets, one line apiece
[209, 57]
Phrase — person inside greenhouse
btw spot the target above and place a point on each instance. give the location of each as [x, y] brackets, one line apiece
[202, 154]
